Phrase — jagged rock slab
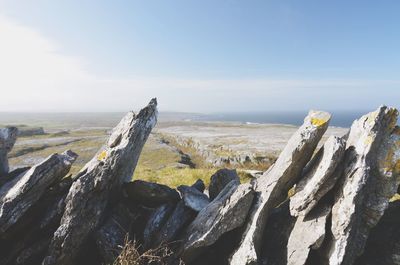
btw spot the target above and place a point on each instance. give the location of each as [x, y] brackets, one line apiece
[177, 221]
[320, 178]
[26, 242]
[13, 174]
[383, 245]
[275, 183]
[18, 195]
[99, 182]
[225, 213]
[155, 222]
[111, 236]
[308, 233]
[8, 136]
[370, 178]
[220, 179]
[150, 194]
[199, 185]
[276, 236]
[193, 198]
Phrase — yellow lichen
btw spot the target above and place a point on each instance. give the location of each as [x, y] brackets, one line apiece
[395, 197]
[102, 155]
[368, 140]
[318, 122]
[291, 192]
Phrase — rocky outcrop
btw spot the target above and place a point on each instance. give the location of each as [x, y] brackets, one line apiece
[19, 194]
[225, 213]
[8, 136]
[193, 198]
[220, 179]
[308, 233]
[310, 207]
[98, 182]
[370, 178]
[149, 193]
[275, 183]
[320, 178]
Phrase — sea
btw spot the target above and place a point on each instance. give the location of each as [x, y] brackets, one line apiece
[339, 118]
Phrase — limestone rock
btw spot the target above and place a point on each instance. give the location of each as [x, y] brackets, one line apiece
[220, 179]
[111, 236]
[276, 236]
[8, 136]
[308, 233]
[370, 178]
[99, 182]
[149, 193]
[275, 183]
[193, 198]
[320, 178]
[155, 223]
[177, 221]
[19, 194]
[383, 244]
[225, 213]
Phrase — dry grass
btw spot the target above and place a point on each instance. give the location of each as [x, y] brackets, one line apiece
[130, 255]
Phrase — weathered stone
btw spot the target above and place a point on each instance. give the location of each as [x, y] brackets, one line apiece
[308, 233]
[370, 178]
[27, 240]
[383, 244]
[8, 136]
[225, 213]
[177, 221]
[193, 198]
[320, 178]
[276, 236]
[199, 185]
[220, 179]
[111, 236]
[150, 194]
[19, 194]
[155, 222]
[275, 183]
[99, 182]
[13, 174]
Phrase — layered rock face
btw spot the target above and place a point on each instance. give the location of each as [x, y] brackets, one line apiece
[325, 206]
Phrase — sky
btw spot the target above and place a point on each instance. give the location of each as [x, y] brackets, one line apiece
[199, 56]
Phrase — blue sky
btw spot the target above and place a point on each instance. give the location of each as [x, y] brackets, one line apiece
[200, 55]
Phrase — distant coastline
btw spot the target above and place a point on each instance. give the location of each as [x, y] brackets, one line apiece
[342, 119]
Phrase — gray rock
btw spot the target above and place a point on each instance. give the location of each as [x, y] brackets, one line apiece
[370, 178]
[276, 236]
[308, 233]
[155, 223]
[225, 213]
[99, 181]
[193, 198]
[320, 178]
[8, 136]
[275, 183]
[199, 185]
[383, 244]
[19, 194]
[150, 194]
[111, 236]
[177, 221]
[220, 179]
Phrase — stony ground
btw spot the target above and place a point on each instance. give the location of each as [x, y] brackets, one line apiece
[177, 152]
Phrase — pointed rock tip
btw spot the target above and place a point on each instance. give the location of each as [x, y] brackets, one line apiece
[318, 118]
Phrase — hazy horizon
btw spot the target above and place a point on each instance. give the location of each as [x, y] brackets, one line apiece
[206, 57]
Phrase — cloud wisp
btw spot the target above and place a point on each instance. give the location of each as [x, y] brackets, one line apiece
[36, 76]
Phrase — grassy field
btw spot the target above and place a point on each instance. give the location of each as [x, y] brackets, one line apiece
[161, 158]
